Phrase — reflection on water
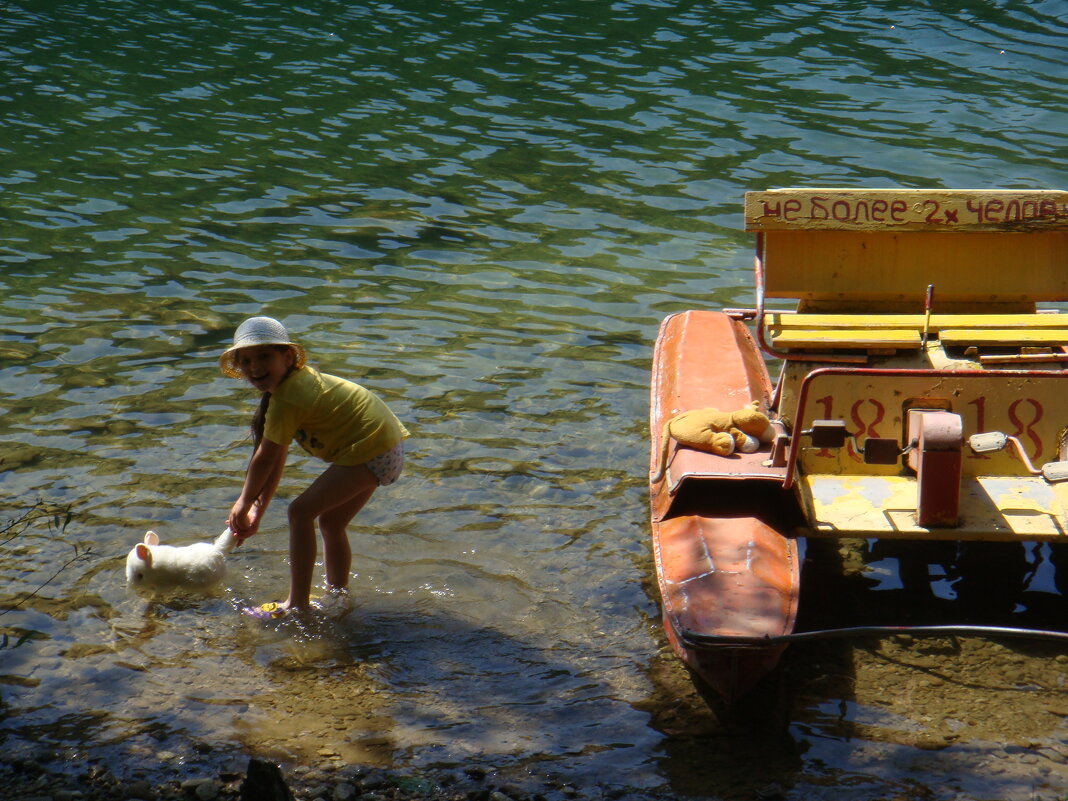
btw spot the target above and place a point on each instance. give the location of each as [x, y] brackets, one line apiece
[481, 213]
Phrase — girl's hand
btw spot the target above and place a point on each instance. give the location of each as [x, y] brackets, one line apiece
[244, 520]
[241, 522]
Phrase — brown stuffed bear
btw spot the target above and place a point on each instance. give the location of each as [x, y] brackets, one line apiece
[713, 431]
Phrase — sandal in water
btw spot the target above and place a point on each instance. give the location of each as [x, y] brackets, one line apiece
[268, 611]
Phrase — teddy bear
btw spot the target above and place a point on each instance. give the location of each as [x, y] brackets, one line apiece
[713, 431]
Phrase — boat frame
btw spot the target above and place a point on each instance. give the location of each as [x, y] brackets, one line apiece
[922, 396]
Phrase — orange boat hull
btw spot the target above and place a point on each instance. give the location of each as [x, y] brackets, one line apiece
[725, 562]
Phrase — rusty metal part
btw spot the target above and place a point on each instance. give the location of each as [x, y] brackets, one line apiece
[937, 440]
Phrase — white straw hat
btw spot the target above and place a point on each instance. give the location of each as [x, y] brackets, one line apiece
[258, 331]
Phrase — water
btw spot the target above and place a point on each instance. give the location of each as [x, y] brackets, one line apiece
[481, 211]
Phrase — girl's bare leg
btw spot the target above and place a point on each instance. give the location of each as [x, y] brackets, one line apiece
[333, 498]
[337, 552]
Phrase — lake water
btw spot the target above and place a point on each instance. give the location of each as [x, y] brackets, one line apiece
[481, 211]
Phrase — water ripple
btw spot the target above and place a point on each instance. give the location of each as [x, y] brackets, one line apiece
[482, 213]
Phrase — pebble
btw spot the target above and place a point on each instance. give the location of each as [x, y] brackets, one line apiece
[138, 789]
[1054, 754]
[372, 780]
[771, 792]
[204, 789]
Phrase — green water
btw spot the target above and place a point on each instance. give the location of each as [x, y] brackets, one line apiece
[481, 211]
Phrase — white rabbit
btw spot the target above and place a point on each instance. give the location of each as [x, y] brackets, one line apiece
[199, 566]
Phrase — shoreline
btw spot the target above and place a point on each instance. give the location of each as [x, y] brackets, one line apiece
[264, 780]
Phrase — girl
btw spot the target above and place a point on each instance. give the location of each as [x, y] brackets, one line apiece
[342, 423]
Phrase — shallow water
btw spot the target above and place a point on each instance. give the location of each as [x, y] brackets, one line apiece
[482, 213]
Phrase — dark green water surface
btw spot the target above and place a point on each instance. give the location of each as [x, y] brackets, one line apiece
[482, 211]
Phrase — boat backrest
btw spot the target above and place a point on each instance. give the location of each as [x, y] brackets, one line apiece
[878, 250]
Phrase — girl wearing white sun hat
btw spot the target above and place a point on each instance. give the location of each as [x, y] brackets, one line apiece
[342, 423]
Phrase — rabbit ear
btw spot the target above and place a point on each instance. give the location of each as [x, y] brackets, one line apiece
[151, 538]
[144, 554]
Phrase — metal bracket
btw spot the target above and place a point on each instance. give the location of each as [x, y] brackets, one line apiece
[833, 434]
[990, 441]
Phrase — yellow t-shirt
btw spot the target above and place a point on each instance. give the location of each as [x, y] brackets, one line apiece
[334, 419]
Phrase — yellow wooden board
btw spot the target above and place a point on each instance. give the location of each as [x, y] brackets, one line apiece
[1003, 336]
[853, 338]
[783, 321]
[961, 210]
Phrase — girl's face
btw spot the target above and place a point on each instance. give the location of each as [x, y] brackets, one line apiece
[265, 366]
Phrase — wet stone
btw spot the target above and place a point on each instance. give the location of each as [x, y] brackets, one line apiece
[372, 780]
[139, 789]
[1054, 754]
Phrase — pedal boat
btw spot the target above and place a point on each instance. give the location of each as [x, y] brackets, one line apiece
[921, 395]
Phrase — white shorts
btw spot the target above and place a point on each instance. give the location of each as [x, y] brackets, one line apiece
[386, 467]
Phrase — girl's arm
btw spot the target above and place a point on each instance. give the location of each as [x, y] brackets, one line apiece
[261, 481]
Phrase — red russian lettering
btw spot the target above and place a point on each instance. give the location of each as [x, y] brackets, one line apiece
[932, 216]
[837, 210]
[993, 209]
[898, 210]
[790, 209]
[976, 209]
[878, 210]
[772, 210]
[817, 206]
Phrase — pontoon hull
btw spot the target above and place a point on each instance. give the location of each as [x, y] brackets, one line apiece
[725, 562]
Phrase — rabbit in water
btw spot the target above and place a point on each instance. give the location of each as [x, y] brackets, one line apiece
[200, 566]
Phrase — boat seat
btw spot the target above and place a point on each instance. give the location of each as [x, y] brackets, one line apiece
[790, 331]
[848, 338]
[1003, 336]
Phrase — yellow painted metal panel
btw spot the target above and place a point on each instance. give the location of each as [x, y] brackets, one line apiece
[1033, 408]
[961, 210]
[992, 508]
